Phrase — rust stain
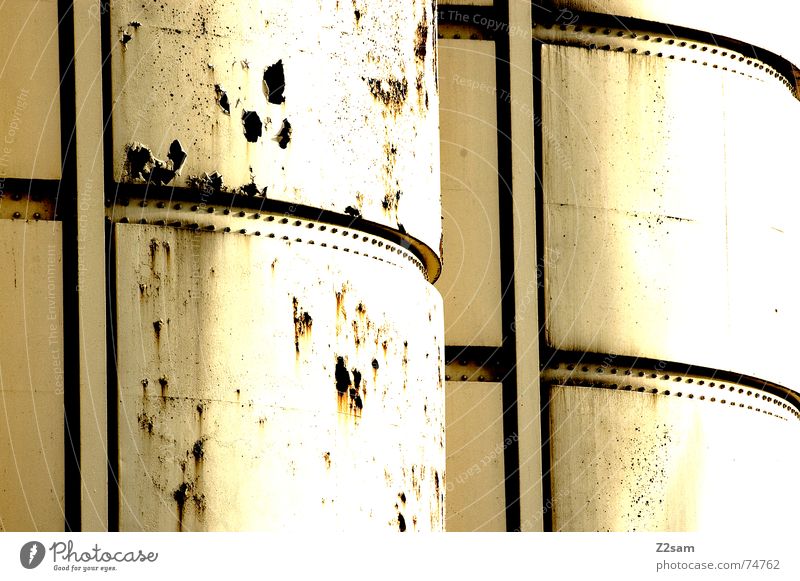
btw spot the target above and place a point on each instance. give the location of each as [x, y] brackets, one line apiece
[302, 324]
[187, 491]
[391, 92]
[164, 383]
[341, 312]
[420, 52]
[145, 422]
[198, 450]
[349, 389]
[157, 326]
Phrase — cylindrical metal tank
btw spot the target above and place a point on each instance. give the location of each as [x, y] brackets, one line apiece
[272, 213]
[668, 203]
[276, 226]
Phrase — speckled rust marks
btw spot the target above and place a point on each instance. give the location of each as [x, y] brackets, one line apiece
[185, 493]
[420, 52]
[146, 422]
[392, 191]
[350, 389]
[302, 325]
[341, 311]
[140, 165]
[391, 92]
[390, 202]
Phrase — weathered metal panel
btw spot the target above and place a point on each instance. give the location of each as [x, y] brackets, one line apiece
[732, 18]
[30, 136]
[475, 471]
[279, 385]
[91, 275]
[671, 216]
[31, 377]
[470, 281]
[627, 461]
[330, 105]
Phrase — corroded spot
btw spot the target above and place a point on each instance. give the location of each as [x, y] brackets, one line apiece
[274, 83]
[222, 99]
[302, 323]
[140, 164]
[284, 136]
[391, 92]
[342, 376]
[253, 128]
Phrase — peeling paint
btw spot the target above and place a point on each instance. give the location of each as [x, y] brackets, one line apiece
[252, 125]
[222, 99]
[141, 165]
[210, 183]
[274, 83]
[391, 92]
[284, 135]
[302, 323]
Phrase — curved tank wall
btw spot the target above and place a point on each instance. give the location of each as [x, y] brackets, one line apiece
[279, 342]
[668, 200]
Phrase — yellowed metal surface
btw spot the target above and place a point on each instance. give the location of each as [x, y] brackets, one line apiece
[31, 377]
[526, 268]
[30, 137]
[627, 461]
[92, 274]
[470, 281]
[330, 105]
[275, 385]
[475, 446]
[672, 215]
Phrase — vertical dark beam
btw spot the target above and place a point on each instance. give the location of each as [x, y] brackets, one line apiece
[67, 205]
[545, 353]
[111, 288]
[111, 367]
[506, 201]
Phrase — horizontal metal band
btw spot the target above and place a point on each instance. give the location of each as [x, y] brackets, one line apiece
[19, 207]
[270, 224]
[474, 364]
[22, 199]
[664, 382]
[647, 43]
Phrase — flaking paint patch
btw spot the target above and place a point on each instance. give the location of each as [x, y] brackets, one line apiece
[274, 83]
[302, 324]
[391, 92]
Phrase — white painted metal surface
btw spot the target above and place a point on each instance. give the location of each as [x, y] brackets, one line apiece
[627, 461]
[31, 377]
[330, 105]
[673, 214]
[275, 385]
